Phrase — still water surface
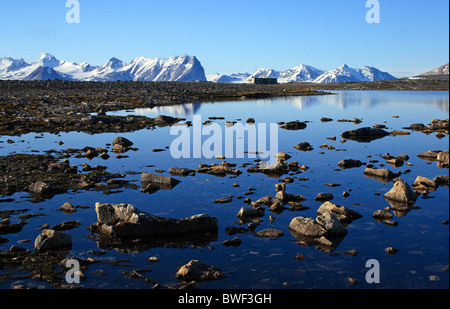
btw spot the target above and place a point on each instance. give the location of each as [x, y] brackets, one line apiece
[420, 237]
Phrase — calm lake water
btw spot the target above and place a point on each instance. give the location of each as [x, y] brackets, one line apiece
[421, 238]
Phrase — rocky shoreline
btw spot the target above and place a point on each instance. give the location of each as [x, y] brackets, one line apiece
[64, 106]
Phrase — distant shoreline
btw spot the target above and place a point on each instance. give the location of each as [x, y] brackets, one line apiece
[65, 106]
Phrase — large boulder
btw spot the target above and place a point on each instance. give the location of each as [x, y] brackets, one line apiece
[443, 159]
[332, 225]
[401, 192]
[122, 141]
[249, 212]
[324, 225]
[308, 227]
[160, 180]
[121, 145]
[424, 184]
[379, 173]
[52, 240]
[288, 197]
[441, 180]
[342, 213]
[126, 221]
[41, 188]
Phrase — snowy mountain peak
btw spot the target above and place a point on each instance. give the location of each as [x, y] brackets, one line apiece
[113, 63]
[344, 74]
[300, 73]
[8, 64]
[442, 70]
[48, 60]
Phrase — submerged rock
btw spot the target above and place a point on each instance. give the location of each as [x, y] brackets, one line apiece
[248, 212]
[176, 171]
[273, 233]
[441, 180]
[282, 156]
[294, 125]
[6, 227]
[381, 174]
[122, 141]
[424, 184]
[217, 170]
[429, 155]
[349, 163]
[147, 178]
[163, 120]
[382, 215]
[288, 197]
[195, 270]
[304, 146]
[222, 200]
[125, 221]
[324, 196]
[365, 134]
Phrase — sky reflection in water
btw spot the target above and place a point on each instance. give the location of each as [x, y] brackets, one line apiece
[420, 237]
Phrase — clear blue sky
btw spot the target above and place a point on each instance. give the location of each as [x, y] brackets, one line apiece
[230, 36]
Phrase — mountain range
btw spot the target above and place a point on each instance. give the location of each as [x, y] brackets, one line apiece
[306, 73]
[178, 68]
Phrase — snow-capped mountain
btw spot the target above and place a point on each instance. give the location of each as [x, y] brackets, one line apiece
[301, 73]
[8, 64]
[180, 68]
[374, 74]
[442, 70]
[344, 74]
[306, 73]
[44, 73]
[266, 73]
[233, 78]
[183, 68]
